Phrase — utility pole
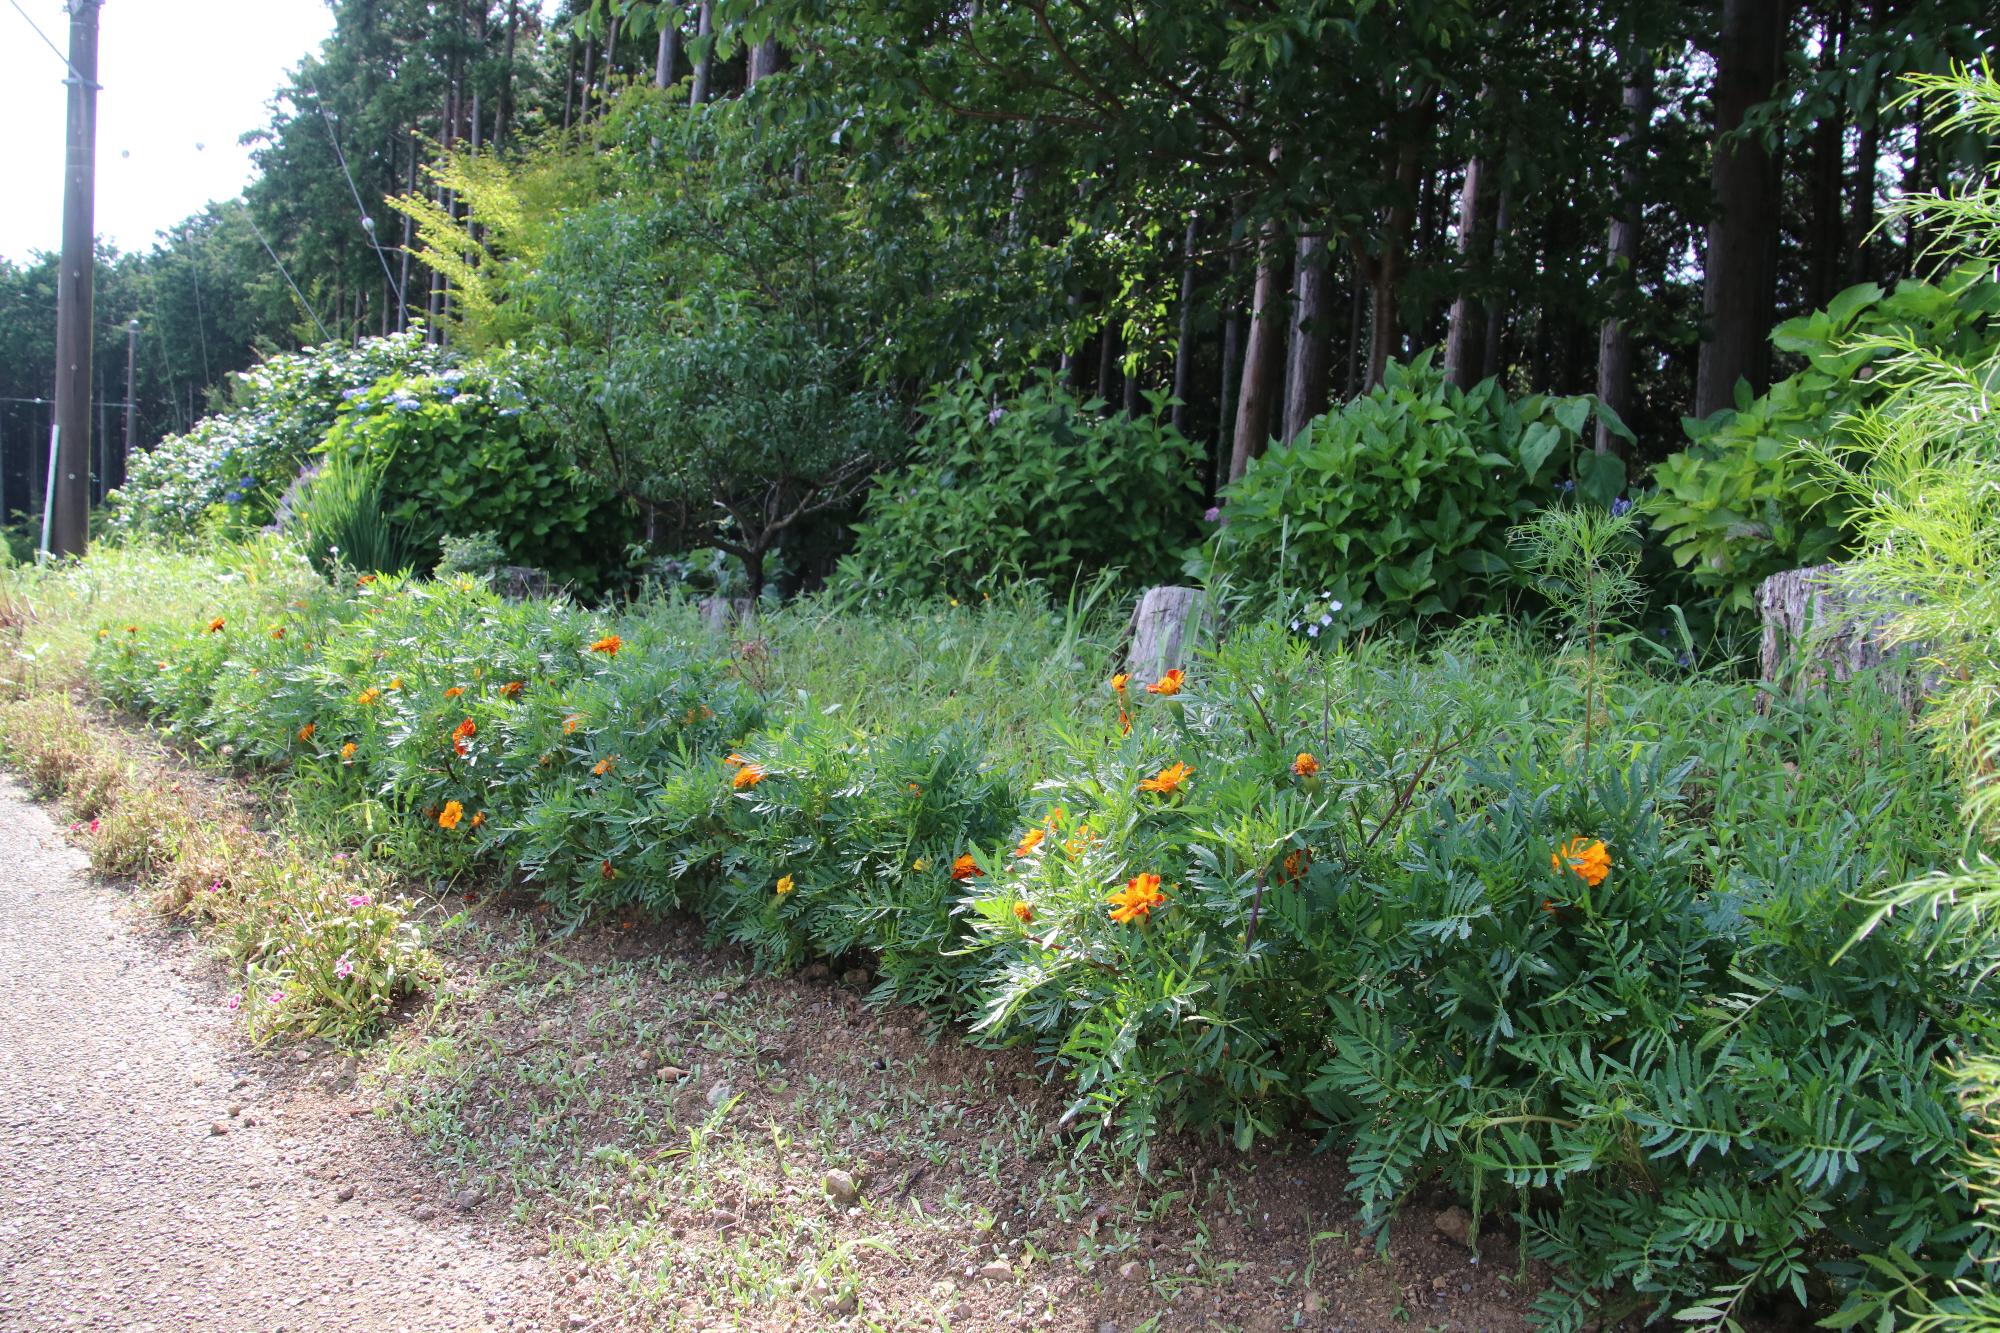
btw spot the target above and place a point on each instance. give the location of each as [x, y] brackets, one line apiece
[117, 469]
[69, 528]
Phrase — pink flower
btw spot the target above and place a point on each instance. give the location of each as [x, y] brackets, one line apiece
[93, 826]
[275, 997]
[358, 900]
[214, 886]
[233, 1003]
[344, 968]
[340, 858]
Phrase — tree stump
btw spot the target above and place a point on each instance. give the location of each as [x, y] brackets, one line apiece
[719, 613]
[1162, 630]
[1815, 631]
[518, 583]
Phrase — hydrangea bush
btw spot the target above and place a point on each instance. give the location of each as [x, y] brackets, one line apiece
[233, 465]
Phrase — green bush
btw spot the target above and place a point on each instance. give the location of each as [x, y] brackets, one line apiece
[457, 453]
[1655, 1072]
[1397, 504]
[238, 461]
[1023, 481]
[1744, 502]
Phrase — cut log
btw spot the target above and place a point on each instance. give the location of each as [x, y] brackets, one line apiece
[1163, 630]
[1816, 630]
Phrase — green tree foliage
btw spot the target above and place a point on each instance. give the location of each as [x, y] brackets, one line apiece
[1014, 481]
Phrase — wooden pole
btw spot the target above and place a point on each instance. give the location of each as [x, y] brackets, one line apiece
[69, 522]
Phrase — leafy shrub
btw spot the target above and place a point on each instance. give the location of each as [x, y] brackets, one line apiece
[1654, 1071]
[1398, 503]
[1024, 481]
[457, 452]
[246, 453]
[1743, 502]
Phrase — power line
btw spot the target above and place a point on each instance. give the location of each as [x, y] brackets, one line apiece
[53, 47]
[258, 233]
[367, 223]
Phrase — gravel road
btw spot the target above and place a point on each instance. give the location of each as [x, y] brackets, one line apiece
[157, 1174]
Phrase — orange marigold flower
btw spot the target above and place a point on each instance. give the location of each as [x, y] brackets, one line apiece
[608, 645]
[1118, 682]
[1167, 684]
[131, 629]
[511, 690]
[478, 819]
[785, 885]
[1168, 780]
[603, 766]
[1023, 913]
[306, 732]
[572, 722]
[965, 868]
[277, 631]
[605, 870]
[454, 691]
[1030, 841]
[734, 760]
[364, 580]
[747, 777]
[1136, 901]
[215, 625]
[368, 696]
[453, 812]
[1587, 857]
[347, 751]
[1297, 862]
[1124, 723]
[463, 732]
[1305, 766]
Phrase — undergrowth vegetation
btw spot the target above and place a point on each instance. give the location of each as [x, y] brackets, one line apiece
[1550, 928]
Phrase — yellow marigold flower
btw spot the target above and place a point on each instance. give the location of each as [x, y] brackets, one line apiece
[1587, 857]
[454, 691]
[921, 864]
[608, 645]
[368, 696]
[104, 634]
[453, 812]
[1024, 913]
[306, 732]
[1168, 780]
[603, 766]
[1305, 766]
[396, 684]
[1136, 901]
[215, 625]
[1119, 681]
[785, 885]
[1030, 841]
[347, 751]
[1167, 684]
[747, 777]
[965, 868]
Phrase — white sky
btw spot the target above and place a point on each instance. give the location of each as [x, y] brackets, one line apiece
[176, 73]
